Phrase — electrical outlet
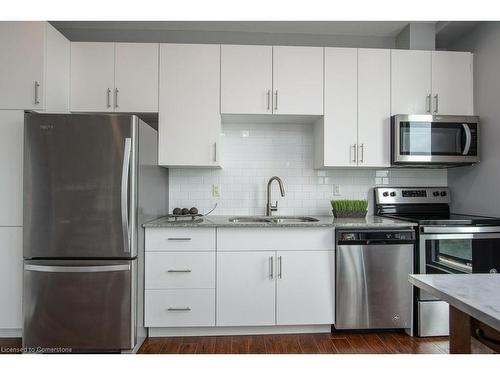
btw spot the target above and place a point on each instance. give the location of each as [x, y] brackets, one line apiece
[336, 189]
[215, 191]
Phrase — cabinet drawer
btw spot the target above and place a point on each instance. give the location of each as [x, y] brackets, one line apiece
[180, 239]
[180, 270]
[180, 308]
[236, 239]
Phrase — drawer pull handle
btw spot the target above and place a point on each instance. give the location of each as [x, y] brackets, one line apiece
[179, 309]
[179, 271]
[179, 239]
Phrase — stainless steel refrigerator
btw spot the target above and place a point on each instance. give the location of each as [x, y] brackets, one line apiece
[90, 182]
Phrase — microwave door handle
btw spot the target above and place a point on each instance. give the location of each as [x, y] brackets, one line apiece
[468, 139]
[124, 193]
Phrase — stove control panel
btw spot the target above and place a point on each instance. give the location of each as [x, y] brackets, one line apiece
[411, 195]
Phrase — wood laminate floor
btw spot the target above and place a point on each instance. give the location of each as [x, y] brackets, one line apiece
[318, 343]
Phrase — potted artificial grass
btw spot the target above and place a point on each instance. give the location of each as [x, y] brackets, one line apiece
[349, 208]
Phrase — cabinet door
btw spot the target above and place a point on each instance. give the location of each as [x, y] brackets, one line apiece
[22, 65]
[245, 288]
[246, 79]
[189, 110]
[92, 77]
[11, 168]
[341, 101]
[305, 287]
[452, 83]
[410, 82]
[374, 107]
[136, 77]
[11, 277]
[298, 80]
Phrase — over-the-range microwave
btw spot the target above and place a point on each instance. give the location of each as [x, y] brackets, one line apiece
[434, 140]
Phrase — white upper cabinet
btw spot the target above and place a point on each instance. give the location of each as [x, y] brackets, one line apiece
[246, 79]
[189, 105]
[410, 82]
[298, 80]
[452, 87]
[92, 77]
[136, 77]
[374, 107]
[114, 77]
[341, 100]
[34, 54]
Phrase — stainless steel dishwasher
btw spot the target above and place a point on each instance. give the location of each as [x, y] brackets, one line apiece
[372, 288]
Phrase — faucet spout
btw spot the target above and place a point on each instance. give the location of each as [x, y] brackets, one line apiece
[269, 207]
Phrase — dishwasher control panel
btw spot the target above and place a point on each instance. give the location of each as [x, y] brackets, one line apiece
[403, 235]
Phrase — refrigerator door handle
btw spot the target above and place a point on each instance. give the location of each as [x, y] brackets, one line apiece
[73, 269]
[124, 193]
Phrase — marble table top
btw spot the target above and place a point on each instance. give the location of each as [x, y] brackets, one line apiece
[477, 295]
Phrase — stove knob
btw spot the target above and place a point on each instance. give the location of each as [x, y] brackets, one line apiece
[436, 193]
[393, 194]
[443, 193]
[385, 194]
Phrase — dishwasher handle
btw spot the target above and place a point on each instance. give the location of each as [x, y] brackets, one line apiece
[373, 242]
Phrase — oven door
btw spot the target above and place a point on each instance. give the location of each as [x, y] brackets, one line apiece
[459, 252]
[427, 139]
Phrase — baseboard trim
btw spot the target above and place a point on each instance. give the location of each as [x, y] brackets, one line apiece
[236, 331]
[11, 333]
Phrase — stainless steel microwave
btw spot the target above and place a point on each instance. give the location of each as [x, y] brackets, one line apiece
[434, 140]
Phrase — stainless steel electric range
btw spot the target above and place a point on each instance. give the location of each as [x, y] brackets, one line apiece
[446, 243]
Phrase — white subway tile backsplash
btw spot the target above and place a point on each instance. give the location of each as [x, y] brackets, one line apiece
[252, 153]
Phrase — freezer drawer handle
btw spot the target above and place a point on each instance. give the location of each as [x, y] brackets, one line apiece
[179, 239]
[179, 309]
[82, 269]
[179, 271]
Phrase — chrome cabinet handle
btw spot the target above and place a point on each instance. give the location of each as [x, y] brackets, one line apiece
[116, 98]
[353, 148]
[436, 103]
[276, 99]
[108, 98]
[428, 103]
[280, 273]
[268, 99]
[179, 239]
[179, 271]
[37, 99]
[179, 309]
[124, 193]
[362, 157]
[215, 152]
[271, 268]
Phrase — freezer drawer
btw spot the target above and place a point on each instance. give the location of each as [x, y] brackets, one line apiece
[81, 305]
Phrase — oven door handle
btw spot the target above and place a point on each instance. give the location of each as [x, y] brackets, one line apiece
[468, 139]
[461, 230]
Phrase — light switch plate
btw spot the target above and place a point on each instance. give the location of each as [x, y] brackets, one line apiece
[215, 191]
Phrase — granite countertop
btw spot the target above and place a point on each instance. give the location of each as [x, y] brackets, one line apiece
[474, 294]
[214, 221]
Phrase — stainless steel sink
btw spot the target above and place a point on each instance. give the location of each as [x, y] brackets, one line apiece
[273, 219]
[294, 219]
[249, 219]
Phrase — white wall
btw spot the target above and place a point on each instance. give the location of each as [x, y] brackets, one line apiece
[475, 190]
[252, 153]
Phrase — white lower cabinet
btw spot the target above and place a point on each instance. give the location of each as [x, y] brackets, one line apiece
[245, 288]
[11, 277]
[305, 287]
[180, 308]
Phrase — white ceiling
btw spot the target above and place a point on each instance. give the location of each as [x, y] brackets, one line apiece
[356, 28]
